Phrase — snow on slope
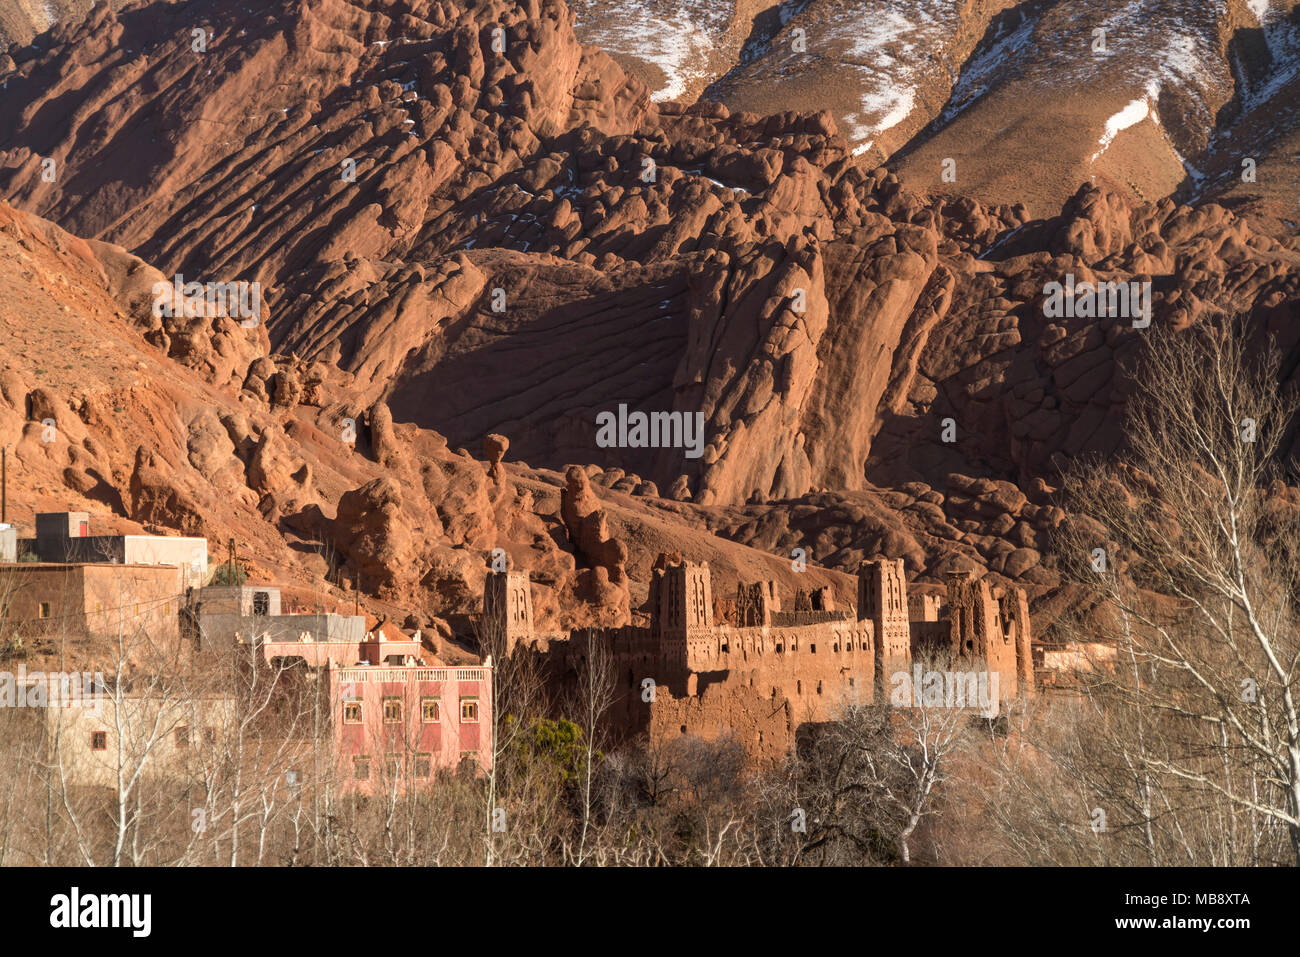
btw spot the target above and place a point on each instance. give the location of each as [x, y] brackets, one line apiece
[682, 38]
[883, 49]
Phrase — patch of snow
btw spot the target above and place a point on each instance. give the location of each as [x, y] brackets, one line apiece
[734, 189]
[1131, 115]
[761, 45]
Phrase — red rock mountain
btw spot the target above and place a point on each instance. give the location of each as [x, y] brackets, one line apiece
[467, 224]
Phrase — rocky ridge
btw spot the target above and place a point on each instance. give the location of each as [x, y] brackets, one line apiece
[469, 225]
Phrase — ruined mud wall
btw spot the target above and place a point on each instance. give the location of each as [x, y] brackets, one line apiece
[765, 728]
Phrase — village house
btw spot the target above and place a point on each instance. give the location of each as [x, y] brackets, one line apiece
[80, 600]
[399, 726]
[169, 737]
[65, 537]
[396, 714]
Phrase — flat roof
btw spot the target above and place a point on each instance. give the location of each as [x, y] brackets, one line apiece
[245, 586]
[45, 566]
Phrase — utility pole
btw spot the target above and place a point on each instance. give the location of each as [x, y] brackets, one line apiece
[4, 485]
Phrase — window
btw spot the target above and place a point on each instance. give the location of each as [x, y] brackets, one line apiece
[210, 735]
[468, 710]
[99, 740]
[182, 737]
[352, 712]
[431, 710]
[44, 610]
[361, 767]
[99, 608]
[422, 764]
[261, 603]
[392, 710]
[392, 765]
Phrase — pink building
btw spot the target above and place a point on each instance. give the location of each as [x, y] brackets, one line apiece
[398, 726]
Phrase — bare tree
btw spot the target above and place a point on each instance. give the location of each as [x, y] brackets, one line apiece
[517, 700]
[594, 699]
[1194, 565]
[868, 780]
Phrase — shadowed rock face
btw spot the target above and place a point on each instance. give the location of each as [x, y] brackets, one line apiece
[461, 233]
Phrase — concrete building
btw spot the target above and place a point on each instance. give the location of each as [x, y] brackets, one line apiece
[226, 613]
[65, 537]
[395, 718]
[168, 738]
[399, 726]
